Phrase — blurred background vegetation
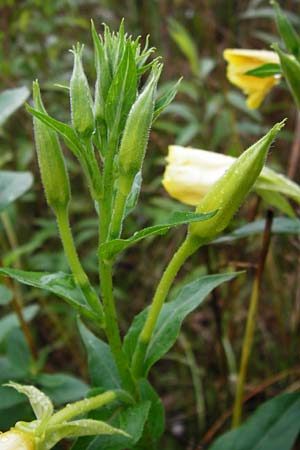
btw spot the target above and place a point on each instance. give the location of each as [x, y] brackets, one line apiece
[196, 380]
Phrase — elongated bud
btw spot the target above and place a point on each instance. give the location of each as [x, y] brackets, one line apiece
[136, 134]
[291, 71]
[50, 158]
[286, 30]
[80, 96]
[103, 80]
[228, 193]
[16, 440]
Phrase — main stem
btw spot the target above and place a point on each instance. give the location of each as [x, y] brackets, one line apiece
[112, 329]
[74, 262]
[188, 247]
[105, 275]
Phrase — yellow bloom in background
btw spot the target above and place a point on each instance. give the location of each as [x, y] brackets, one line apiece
[191, 172]
[241, 61]
[16, 440]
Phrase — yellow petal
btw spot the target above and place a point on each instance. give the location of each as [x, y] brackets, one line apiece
[241, 61]
[191, 172]
[16, 440]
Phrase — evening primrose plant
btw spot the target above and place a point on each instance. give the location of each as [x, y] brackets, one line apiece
[108, 134]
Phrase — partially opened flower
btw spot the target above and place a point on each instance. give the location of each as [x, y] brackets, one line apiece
[241, 61]
[191, 172]
[16, 440]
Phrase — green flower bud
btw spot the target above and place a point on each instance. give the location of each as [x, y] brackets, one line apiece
[80, 96]
[50, 158]
[228, 193]
[136, 133]
[291, 71]
[286, 30]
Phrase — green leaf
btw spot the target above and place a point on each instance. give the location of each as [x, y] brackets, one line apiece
[164, 101]
[274, 426]
[6, 295]
[18, 355]
[12, 186]
[11, 100]
[276, 182]
[40, 403]
[10, 321]
[156, 419]
[69, 135]
[131, 420]
[102, 368]
[277, 200]
[266, 70]
[62, 388]
[10, 399]
[83, 427]
[286, 30]
[186, 44]
[110, 249]
[59, 283]
[280, 225]
[122, 92]
[170, 318]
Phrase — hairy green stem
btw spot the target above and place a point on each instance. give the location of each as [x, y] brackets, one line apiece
[189, 246]
[79, 274]
[82, 407]
[112, 329]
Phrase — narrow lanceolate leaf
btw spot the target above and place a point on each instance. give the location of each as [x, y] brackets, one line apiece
[12, 186]
[10, 101]
[40, 403]
[131, 420]
[164, 101]
[274, 426]
[171, 318]
[59, 283]
[286, 30]
[110, 249]
[83, 427]
[280, 225]
[69, 135]
[266, 70]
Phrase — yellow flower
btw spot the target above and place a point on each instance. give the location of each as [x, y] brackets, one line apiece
[240, 61]
[191, 172]
[16, 440]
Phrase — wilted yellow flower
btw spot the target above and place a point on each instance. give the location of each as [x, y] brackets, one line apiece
[241, 61]
[191, 172]
[16, 440]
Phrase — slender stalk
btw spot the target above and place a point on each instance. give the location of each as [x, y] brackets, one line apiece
[70, 251]
[250, 326]
[294, 159]
[188, 247]
[17, 302]
[81, 407]
[197, 382]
